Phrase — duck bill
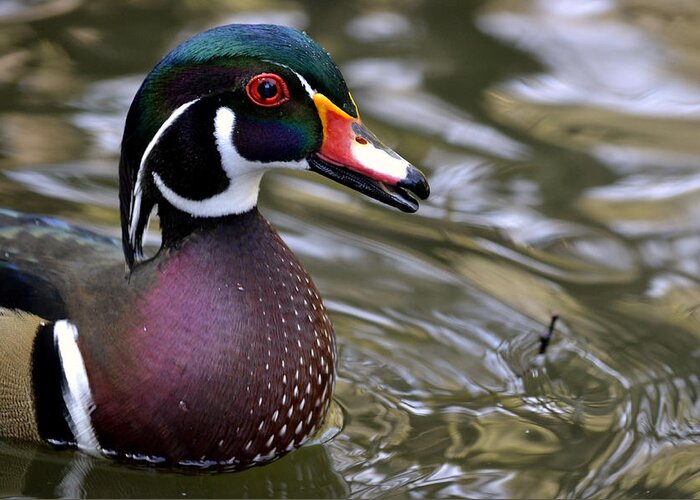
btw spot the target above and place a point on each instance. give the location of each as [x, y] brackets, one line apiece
[353, 156]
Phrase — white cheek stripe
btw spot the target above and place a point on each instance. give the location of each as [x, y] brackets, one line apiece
[138, 188]
[380, 161]
[76, 393]
[235, 200]
[244, 176]
[304, 83]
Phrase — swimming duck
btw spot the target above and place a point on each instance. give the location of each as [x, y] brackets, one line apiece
[217, 350]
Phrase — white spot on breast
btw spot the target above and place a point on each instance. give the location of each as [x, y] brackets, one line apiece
[283, 431]
[274, 416]
[297, 431]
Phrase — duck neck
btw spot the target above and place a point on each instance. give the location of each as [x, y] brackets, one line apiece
[178, 226]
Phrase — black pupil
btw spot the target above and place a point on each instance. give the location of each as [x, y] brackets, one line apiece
[267, 89]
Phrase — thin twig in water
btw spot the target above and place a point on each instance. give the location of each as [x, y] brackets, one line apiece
[544, 339]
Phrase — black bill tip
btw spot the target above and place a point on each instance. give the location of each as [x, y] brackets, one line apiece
[416, 183]
[402, 195]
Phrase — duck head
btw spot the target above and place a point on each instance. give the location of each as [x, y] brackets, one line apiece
[231, 103]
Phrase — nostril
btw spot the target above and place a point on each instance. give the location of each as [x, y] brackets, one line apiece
[360, 140]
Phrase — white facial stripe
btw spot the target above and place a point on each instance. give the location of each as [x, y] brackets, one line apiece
[135, 212]
[380, 161]
[244, 176]
[76, 394]
[237, 199]
[224, 121]
[304, 83]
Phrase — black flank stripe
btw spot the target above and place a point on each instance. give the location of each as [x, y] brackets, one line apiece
[47, 380]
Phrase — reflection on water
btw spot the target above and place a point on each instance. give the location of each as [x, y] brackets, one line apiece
[561, 143]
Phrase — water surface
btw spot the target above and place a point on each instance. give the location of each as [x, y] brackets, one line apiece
[561, 141]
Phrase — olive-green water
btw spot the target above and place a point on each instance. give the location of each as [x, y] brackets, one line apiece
[561, 139]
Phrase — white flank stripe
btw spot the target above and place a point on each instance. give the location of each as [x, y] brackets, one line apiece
[138, 188]
[244, 176]
[76, 394]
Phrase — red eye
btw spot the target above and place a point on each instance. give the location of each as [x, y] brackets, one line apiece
[267, 89]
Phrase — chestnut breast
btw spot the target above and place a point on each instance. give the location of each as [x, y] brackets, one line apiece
[227, 356]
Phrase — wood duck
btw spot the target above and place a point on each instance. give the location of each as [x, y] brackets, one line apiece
[217, 351]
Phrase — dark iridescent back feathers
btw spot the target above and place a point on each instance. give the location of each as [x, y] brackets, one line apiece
[216, 64]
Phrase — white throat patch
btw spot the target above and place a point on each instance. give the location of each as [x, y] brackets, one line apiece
[244, 176]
